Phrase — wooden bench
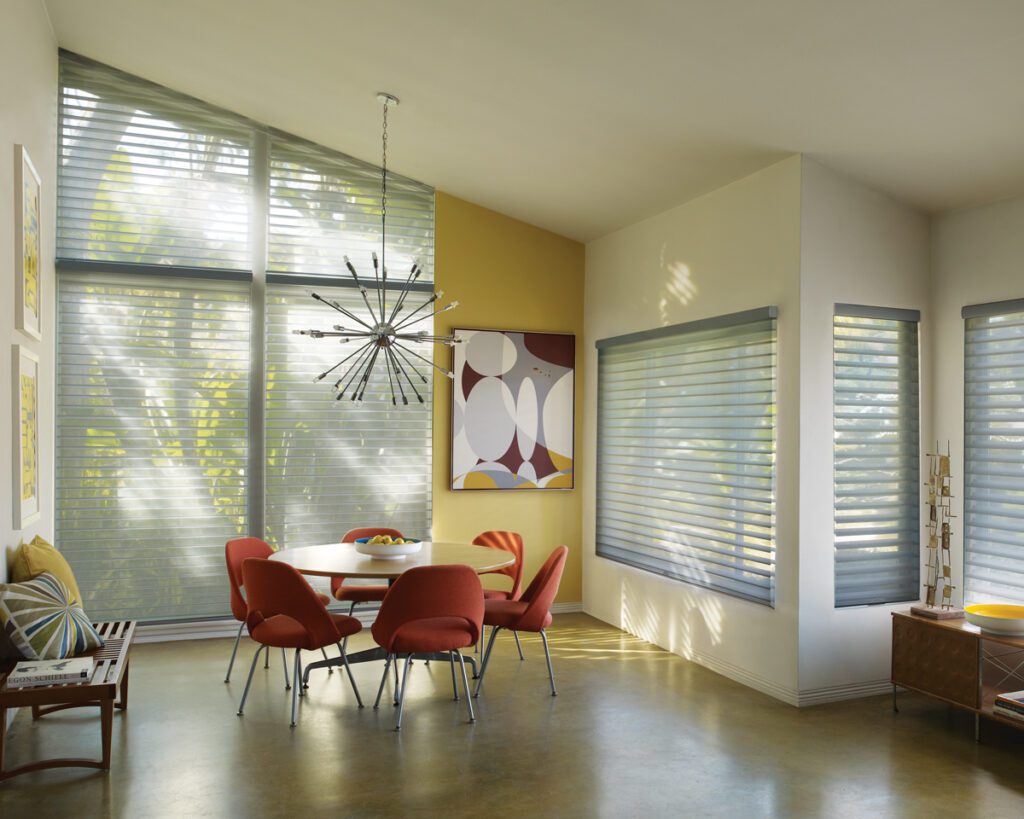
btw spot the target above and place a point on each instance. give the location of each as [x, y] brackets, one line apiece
[110, 677]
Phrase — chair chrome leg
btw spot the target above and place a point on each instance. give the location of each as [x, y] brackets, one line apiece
[266, 659]
[465, 685]
[324, 652]
[234, 651]
[455, 686]
[401, 695]
[248, 681]
[395, 703]
[547, 656]
[284, 662]
[518, 645]
[351, 679]
[297, 688]
[383, 679]
[344, 643]
[487, 657]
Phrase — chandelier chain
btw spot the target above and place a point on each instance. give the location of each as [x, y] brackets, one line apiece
[384, 187]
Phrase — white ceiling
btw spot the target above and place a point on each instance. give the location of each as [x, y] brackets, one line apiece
[583, 116]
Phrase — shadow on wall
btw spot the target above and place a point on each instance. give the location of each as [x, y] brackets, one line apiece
[679, 289]
[696, 620]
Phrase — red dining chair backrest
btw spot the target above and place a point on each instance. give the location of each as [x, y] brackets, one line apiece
[352, 535]
[510, 542]
[540, 594]
[277, 589]
[427, 592]
[236, 551]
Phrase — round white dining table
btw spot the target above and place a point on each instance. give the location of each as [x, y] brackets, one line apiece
[342, 559]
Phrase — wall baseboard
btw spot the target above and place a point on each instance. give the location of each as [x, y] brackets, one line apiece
[848, 691]
[566, 608]
[745, 677]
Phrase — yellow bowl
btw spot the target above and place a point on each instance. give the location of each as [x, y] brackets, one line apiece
[996, 618]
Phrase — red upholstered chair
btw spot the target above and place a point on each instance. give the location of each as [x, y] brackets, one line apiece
[235, 552]
[429, 609]
[531, 612]
[285, 612]
[510, 542]
[361, 594]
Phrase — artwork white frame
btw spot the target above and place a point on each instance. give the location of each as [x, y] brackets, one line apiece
[28, 245]
[25, 426]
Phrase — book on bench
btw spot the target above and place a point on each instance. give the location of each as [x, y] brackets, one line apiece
[29, 673]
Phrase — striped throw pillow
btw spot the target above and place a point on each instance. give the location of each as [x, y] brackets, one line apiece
[43, 620]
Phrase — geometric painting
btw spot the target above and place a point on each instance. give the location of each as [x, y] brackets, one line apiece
[513, 400]
[25, 372]
[27, 244]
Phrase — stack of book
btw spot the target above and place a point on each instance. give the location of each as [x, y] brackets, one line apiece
[30, 673]
[1010, 705]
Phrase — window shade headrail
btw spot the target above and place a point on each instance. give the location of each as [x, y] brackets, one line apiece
[345, 282]
[712, 323]
[882, 313]
[992, 308]
[125, 269]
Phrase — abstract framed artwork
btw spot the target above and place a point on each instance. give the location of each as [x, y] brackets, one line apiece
[25, 389]
[27, 244]
[513, 404]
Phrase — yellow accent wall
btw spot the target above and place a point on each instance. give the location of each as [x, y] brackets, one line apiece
[507, 275]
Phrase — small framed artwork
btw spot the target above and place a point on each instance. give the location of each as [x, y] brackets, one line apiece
[25, 389]
[27, 244]
[513, 405]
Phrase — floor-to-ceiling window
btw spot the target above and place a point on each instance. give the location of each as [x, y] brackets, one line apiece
[188, 241]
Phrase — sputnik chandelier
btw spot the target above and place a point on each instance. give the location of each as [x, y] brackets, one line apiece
[385, 333]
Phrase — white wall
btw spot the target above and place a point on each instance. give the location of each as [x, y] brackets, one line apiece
[734, 249]
[977, 257]
[28, 116]
[857, 247]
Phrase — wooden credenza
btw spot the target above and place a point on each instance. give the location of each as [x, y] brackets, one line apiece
[955, 662]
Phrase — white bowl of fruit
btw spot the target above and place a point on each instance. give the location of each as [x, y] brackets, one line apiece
[385, 547]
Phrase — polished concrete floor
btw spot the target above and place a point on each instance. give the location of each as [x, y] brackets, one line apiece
[635, 731]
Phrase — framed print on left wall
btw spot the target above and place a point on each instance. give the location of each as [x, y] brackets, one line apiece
[25, 389]
[27, 244]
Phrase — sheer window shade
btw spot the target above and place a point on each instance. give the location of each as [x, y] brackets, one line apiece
[152, 440]
[994, 453]
[330, 468]
[686, 453]
[876, 456]
[325, 206]
[149, 176]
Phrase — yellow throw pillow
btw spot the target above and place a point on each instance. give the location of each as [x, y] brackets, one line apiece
[38, 557]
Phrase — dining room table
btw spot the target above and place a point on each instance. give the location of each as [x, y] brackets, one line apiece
[342, 560]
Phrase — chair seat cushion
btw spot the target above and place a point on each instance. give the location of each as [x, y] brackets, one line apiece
[282, 631]
[508, 613]
[431, 634]
[496, 594]
[360, 594]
